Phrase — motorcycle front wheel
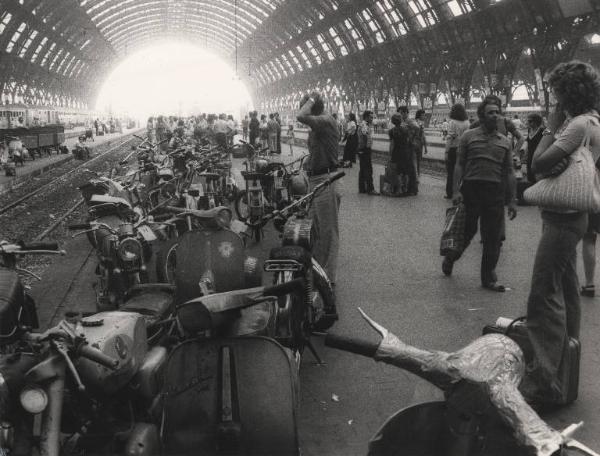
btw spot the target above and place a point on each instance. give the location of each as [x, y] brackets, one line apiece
[241, 206]
[166, 261]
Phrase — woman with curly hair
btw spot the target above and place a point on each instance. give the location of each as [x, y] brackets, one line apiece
[553, 307]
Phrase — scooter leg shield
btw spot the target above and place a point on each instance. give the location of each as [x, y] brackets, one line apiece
[238, 392]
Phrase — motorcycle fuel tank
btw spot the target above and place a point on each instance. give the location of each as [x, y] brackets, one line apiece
[120, 335]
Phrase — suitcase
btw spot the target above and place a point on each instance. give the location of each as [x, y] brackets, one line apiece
[569, 371]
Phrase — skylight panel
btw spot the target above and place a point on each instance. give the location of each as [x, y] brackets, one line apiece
[360, 44]
[63, 61]
[424, 13]
[313, 51]
[6, 17]
[48, 52]
[56, 57]
[38, 49]
[31, 37]
[295, 60]
[15, 37]
[373, 25]
[304, 57]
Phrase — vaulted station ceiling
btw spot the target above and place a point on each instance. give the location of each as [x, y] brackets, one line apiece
[60, 51]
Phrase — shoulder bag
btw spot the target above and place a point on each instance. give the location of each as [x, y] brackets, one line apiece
[576, 188]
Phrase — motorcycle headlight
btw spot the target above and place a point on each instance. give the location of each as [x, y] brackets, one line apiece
[130, 250]
[34, 399]
[4, 396]
[224, 217]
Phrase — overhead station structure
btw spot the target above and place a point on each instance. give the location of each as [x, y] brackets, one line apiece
[360, 53]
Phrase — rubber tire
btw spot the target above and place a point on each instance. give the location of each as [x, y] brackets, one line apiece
[162, 258]
[324, 322]
[237, 204]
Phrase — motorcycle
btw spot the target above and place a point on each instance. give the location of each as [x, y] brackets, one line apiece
[17, 308]
[89, 380]
[229, 387]
[294, 259]
[484, 413]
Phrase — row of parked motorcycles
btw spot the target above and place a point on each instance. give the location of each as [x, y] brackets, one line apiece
[188, 353]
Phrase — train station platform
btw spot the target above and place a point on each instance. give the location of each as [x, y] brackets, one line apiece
[39, 166]
[389, 265]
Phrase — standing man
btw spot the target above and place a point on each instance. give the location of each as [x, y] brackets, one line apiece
[245, 124]
[365, 142]
[323, 139]
[278, 119]
[410, 168]
[420, 142]
[483, 164]
[254, 128]
[273, 132]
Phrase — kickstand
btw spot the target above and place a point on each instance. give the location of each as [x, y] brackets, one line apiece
[313, 350]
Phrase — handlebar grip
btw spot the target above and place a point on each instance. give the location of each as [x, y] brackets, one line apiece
[285, 288]
[349, 344]
[93, 354]
[80, 226]
[38, 245]
[336, 176]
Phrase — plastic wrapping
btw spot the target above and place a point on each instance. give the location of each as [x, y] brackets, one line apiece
[493, 362]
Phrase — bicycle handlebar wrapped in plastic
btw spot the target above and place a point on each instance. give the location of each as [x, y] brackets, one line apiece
[352, 345]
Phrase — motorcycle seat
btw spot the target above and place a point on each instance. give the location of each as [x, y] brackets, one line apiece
[102, 199]
[152, 301]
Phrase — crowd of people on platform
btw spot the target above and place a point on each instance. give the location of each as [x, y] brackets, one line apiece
[480, 161]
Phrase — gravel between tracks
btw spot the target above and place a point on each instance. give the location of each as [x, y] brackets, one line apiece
[28, 220]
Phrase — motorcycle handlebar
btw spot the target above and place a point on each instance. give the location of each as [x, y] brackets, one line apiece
[38, 245]
[285, 288]
[349, 344]
[93, 354]
[80, 226]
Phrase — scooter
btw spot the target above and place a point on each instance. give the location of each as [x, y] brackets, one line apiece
[484, 413]
[229, 387]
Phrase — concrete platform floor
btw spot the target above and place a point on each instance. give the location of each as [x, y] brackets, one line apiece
[390, 266]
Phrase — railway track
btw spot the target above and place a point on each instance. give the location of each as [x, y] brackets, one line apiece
[58, 179]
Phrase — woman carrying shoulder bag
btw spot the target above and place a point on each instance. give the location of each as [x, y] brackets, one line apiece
[553, 306]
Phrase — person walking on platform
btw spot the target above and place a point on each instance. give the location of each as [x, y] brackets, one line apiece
[351, 139]
[323, 139]
[483, 164]
[553, 305]
[400, 155]
[457, 125]
[365, 142]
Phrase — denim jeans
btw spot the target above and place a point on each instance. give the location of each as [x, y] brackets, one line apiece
[484, 204]
[324, 212]
[450, 164]
[553, 308]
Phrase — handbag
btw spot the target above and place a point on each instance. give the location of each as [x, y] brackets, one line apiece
[453, 236]
[576, 188]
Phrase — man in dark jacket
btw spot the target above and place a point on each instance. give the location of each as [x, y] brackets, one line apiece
[254, 127]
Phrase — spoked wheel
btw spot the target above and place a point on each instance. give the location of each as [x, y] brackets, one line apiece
[166, 261]
[241, 206]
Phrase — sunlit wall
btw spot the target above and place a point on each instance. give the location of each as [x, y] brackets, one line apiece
[174, 78]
